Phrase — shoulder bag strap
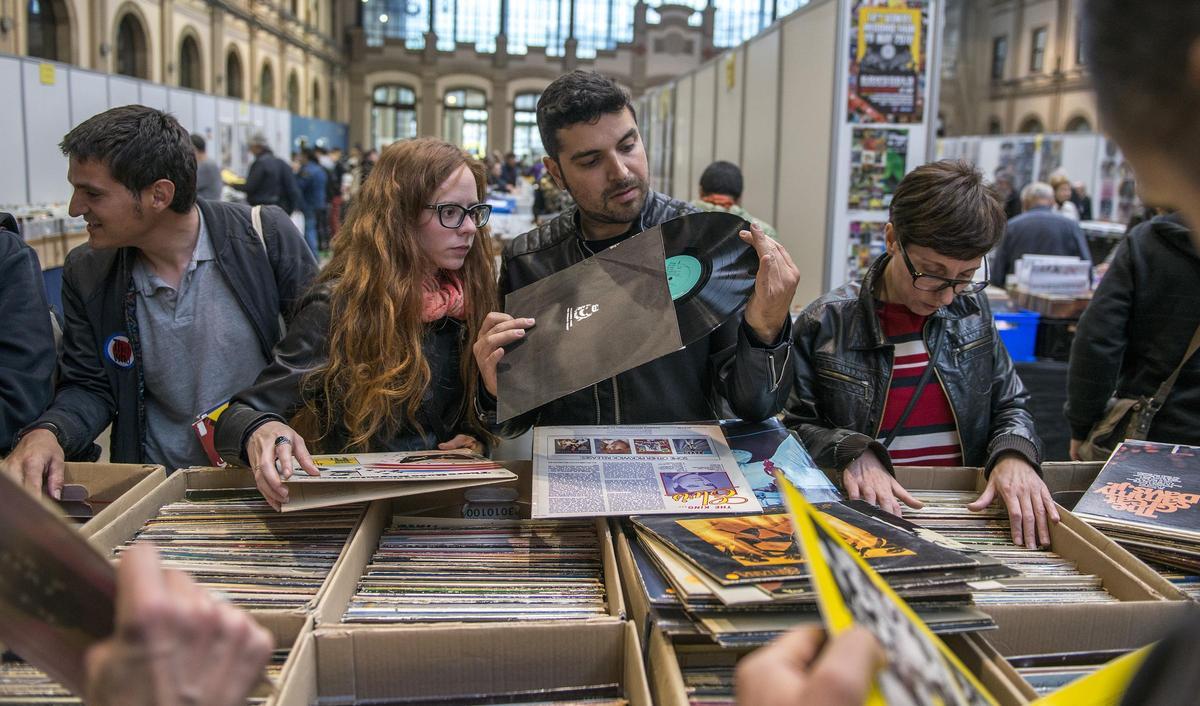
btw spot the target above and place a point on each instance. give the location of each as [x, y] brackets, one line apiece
[1165, 389]
[912, 402]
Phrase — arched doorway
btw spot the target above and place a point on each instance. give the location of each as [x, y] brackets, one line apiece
[233, 75]
[132, 56]
[1032, 124]
[393, 114]
[1079, 123]
[293, 94]
[266, 86]
[190, 72]
[465, 120]
[48, 30]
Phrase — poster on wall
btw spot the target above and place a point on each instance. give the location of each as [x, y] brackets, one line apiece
[865, 244]
[887, 61]
[878, 161]
[1118, 190]
[1016, 159]
[1052, 157]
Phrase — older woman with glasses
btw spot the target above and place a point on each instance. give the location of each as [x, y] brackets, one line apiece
[374, 358]
[906, 367]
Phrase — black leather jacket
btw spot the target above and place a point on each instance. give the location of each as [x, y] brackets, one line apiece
[278, 393]
[729, 372]
[843, 366]
[1136, 330]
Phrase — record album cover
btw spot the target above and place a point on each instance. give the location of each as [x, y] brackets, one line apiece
[1147, 485]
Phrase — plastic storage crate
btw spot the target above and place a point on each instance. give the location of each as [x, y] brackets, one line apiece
[1018, 330]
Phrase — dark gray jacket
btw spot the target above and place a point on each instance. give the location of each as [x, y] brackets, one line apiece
[101, 323]
[1038, 231]
[727, 372]
[27, 356]
[1136, 330]
[843, 367]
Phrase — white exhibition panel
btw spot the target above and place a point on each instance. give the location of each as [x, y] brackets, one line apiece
[809, 45]
[205, 109]
[89, 94]
[154, 96]
[47, 118]
[681, 152]
[13, 185]
[731, 83]
[182, 104]
[760, 126]
[123, 91]
[704, 122]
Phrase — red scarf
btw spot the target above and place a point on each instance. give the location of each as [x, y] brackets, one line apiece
[719, 200]
[443, 293]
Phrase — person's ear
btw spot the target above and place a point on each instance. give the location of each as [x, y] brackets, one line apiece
[889, 235]
[555, 170]
[162, 193]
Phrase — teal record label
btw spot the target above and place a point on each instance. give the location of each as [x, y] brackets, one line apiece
[683, 274]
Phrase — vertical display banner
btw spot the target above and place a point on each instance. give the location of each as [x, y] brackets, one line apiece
[887, 70]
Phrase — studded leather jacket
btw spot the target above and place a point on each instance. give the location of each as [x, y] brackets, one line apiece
[843, 367]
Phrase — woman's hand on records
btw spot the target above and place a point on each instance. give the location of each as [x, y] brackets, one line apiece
[462, 441]
[1030, 506]
[498, 330]
[867, 479]
[174, 643]
[270, 451]
[802, 667]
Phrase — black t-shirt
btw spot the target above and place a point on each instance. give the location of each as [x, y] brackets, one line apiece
[598, 246]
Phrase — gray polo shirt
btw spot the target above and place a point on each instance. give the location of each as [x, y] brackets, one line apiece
[198, 349]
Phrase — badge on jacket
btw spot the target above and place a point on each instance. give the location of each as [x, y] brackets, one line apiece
[119, 351]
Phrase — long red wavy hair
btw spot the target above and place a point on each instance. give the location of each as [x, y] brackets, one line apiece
[376, 373]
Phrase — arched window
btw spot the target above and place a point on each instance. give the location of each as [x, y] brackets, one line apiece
[189, 64]
[266, 86]
[233, 75]
[49, 31]
[393, 114]
[527, 141]
[1032, 124]
[132, 55]
[1079, 123]
[466, 118]
[995, 127]
[315, 111]
[293, 96]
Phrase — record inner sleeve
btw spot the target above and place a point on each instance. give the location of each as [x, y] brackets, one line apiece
[600, 317]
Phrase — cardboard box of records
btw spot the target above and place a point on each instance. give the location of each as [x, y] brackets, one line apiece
[471, 556]
[463, 663]
[105, 490]
[1136, 586]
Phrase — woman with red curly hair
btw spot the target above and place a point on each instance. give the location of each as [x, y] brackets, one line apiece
[374, 358]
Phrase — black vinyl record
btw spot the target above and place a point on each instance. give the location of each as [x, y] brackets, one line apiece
[710, 270]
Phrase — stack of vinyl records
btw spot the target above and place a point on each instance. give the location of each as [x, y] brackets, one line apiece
[1044, 576]
[22, 683]
[429, 570]
[1185, 581]
[1147, 498]
[233, 543]
[1047, 673]
[740, 580]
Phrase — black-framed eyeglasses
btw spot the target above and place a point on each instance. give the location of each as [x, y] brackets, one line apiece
[934, 283]
[451, 215]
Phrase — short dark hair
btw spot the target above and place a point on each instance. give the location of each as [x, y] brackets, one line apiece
[722, 178]
[577, 97]
[139, 145]
[946, 206]
[1138, 52]
[198, 142]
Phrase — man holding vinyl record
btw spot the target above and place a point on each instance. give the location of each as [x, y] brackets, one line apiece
[906, 367]
[594, 151]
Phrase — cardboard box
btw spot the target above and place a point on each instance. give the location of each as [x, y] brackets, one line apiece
[119, 529]
[350, 665]
[991, 669]
[115, 486]
[343, 580]
[666, 662]
[288, 630]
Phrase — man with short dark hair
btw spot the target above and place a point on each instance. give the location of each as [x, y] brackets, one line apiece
[270, 181]
[171, 306]
[208, 174]
[721, 190]
[510, 172]
[906, 367]
[594, 151]
[1037, 231]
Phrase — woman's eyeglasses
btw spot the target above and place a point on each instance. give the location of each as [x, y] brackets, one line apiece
[934, 283]
[451, 215]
